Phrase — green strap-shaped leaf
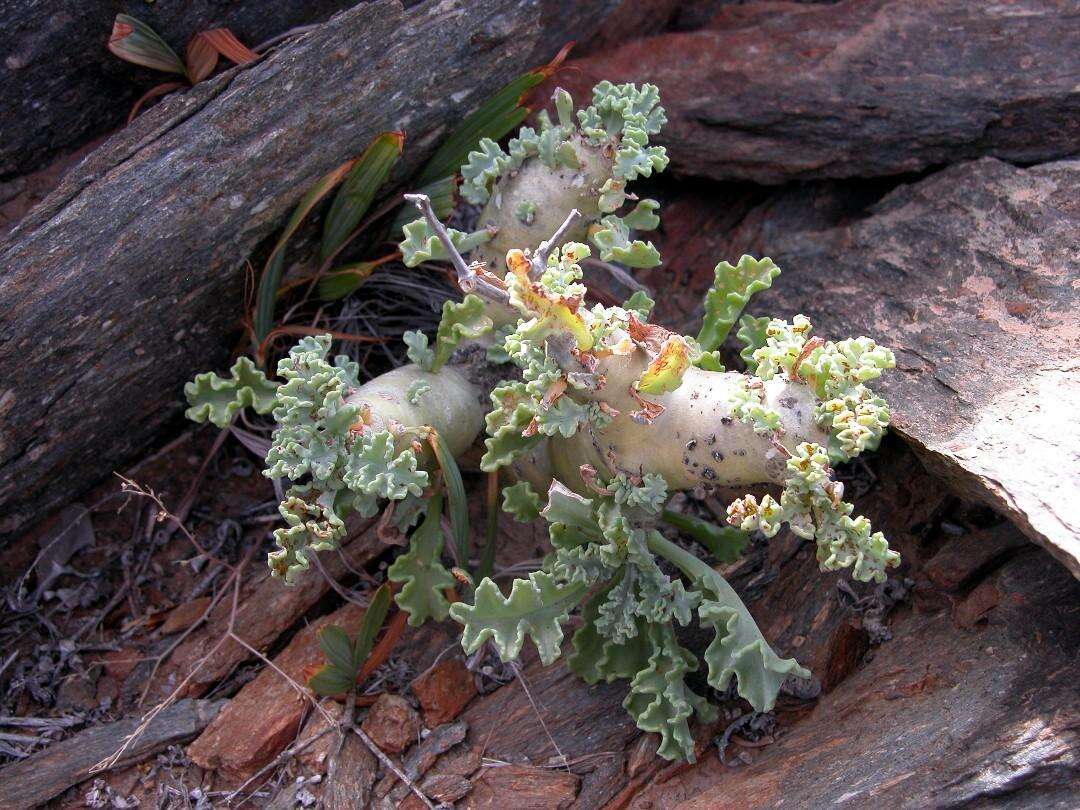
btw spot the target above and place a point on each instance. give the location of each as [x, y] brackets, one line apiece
[266, 299]
[422, 571]
[134, 41]
[344, 280]
[726, 543]
[732, 288]
[466, 319]
[422, 245]
[374, 617]
[215, 399]
[358, 190]
[537, 607]
[455, 490]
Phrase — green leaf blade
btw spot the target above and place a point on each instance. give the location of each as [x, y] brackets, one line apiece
[359, 188]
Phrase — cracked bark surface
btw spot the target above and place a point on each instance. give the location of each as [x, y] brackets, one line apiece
[57, 73]
[129, 278]
[773, 92]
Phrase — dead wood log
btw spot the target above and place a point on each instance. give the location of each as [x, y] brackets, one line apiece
[60, 85]
[773, 92]
[129, 278]
[33, 781]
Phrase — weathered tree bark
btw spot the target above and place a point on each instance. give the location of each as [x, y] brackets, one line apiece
[33, 781]
[59, 86]
[129, 278]
[782, 91]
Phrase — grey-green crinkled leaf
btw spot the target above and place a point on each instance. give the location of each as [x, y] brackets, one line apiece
[374, 467]
[483, 168]
[416, 391]
[215, 399]
[659, 699]
[537, 608]
[739, 650]
[752, 336]
[422, 245]
[613, 241]
[464, 319]
[418, 350]
[422, 571]
[640, 304]
[520, 501]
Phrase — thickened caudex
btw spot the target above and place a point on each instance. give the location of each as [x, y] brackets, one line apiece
[594, 412]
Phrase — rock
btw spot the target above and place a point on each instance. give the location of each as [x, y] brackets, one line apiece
[774, 92]
[968, 555]
[941, 717]
[439, 788]
[120, 663]
[351, 777]
[419, 761]
[969, 276]
[978, 604]
[31, 782]
[583, 720]
[184, 615]
[392, 723]
[443, 691]
[265, 716]
[144, 245]
[523, 787]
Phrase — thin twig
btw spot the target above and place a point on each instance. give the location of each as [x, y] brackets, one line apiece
[392, 766]
[467, 277]
[540, 258]
[528, 693]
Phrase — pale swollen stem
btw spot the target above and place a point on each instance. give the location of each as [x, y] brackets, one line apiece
[467, 277]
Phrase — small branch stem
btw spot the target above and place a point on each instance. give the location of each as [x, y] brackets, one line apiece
[540, 259]
[467, 277]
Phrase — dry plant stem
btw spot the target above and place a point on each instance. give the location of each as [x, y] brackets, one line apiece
[467, 277]
[280, 759]
[536, 709]
[148, 718]
[540, 259]
[391, 765]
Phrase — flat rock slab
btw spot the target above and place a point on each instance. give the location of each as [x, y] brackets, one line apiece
[129, 278]
[266, 714]
[780, 91]
[972, 277]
